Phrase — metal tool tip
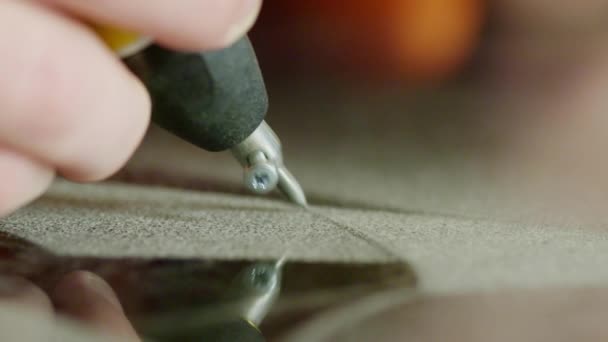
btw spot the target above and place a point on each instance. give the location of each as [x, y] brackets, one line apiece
[260, 155]
[290, 187]
[297, 196]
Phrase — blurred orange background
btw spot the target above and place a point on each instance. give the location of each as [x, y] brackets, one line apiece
[417, 40]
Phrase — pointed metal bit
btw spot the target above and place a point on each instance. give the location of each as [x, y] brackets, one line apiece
[290, 187]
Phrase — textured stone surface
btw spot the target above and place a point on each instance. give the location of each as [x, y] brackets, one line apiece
[448, 253]
[117, 220]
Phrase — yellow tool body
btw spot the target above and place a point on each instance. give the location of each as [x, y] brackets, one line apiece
[124, 43]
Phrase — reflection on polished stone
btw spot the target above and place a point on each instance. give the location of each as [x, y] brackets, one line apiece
[182, 300]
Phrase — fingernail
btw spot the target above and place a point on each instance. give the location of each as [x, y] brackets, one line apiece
[97, 285]
[244, 19]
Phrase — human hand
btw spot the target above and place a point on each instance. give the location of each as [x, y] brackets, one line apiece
[28, 314]
[67, 104]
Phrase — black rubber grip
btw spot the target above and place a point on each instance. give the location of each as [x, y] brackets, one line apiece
[213, 100]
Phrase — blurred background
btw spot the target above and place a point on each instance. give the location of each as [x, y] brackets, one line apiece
[388, 40]
[517, 87]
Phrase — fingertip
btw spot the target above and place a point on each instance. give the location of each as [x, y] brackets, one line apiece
[246, 17]
[123, 131]
[227, 24]
[93, 288]
[87, 298]
[21, 180]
